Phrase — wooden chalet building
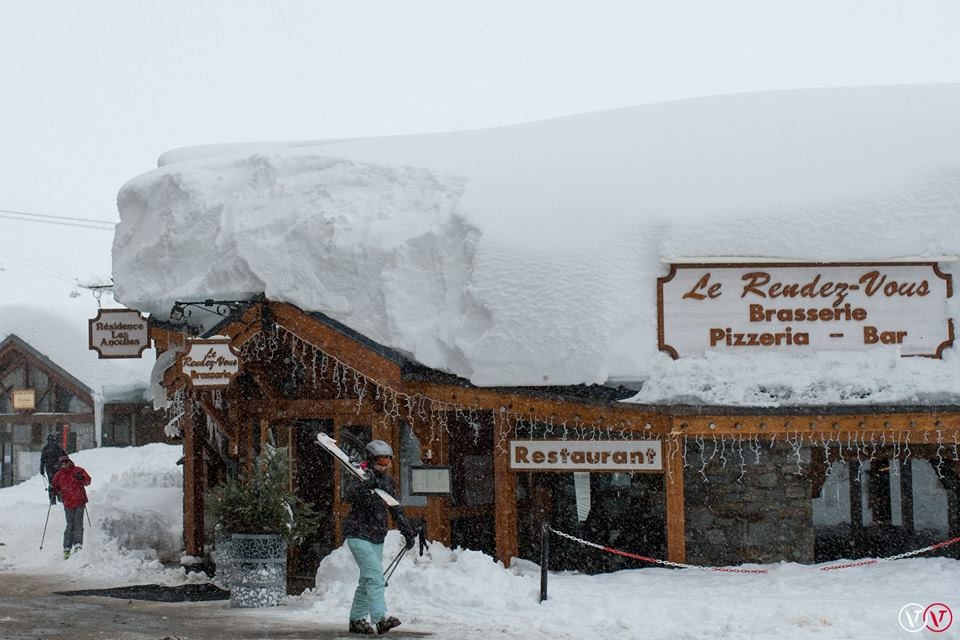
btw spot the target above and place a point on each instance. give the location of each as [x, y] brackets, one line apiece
[54, 402]
[721, 485]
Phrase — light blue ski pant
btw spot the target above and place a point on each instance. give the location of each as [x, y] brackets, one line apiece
[368, 599]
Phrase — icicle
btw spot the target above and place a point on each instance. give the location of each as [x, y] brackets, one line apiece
[939, 454]
[703, 461]
[686, 465]
[743, 462]
[723, 450]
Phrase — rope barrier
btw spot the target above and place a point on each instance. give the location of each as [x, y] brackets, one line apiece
[681, 565]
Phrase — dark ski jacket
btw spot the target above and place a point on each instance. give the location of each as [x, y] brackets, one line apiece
[69, 483]
[50, 459]
[367, 518]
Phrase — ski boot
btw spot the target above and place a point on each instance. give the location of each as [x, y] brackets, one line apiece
[386, 624]
[361, 626]
[66, 553]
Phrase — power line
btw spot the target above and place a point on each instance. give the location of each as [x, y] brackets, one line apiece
[45, 215]
[65, 224]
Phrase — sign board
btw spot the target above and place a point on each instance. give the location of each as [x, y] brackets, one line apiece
[119, 333]
[210, 363]
[802, 308]
[24, 399]
[426, 481]
[586, 455]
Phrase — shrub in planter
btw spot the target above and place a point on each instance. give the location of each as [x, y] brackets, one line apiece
[258, 515]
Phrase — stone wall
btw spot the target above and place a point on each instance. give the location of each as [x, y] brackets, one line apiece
[765, 517]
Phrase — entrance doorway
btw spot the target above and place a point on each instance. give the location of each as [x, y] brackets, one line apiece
[313, 482]
[621, 510]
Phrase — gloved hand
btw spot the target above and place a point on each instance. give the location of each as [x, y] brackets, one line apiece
[78, 476]
[370, 482]
[52, 494]
[411, 538]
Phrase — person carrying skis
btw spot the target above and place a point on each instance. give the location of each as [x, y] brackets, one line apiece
[69, 483]
[50, 463]
[365, 529]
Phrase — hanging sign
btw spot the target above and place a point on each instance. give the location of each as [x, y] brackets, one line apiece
[210, 363]
[802, 308]
[586, 455]
[119, 333]
[24, 399]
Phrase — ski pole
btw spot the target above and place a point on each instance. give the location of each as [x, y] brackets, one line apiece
[392, 567]
[87, 511]
[50, 506]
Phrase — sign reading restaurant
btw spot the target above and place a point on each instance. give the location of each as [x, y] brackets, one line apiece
[119, 333]
[586, 455]
[804, 307]
[210, 363]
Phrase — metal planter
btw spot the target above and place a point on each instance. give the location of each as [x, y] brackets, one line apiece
[258, 570]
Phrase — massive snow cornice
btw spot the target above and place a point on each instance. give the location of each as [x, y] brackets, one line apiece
[529, 254]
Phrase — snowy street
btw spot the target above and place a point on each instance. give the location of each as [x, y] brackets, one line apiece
[446, 594]
[29, 609]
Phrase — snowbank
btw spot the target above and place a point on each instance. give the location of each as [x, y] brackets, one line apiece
[528, 255]
[136, 506]
[466, 592]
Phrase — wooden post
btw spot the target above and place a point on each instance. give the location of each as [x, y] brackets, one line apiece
[505, 495]
[676, 522]
[193, 481]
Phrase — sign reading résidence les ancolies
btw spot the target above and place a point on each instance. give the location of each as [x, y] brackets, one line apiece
[801, 308]
[119, 333]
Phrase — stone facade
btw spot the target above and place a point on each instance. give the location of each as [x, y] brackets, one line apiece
[765, 517]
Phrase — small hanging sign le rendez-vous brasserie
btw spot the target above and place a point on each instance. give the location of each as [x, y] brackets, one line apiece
[119, 333]
[210, 363]
[628, 456]
[802, 308]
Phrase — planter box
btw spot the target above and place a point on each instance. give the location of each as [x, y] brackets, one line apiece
[257, 570]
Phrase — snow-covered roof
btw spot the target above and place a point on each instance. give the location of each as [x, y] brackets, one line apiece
[60, 333]
[528, 255]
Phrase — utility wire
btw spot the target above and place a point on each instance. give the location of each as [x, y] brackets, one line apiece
[44, 215]
[30, 263]
[65, 224]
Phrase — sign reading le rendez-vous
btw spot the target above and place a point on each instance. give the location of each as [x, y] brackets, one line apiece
[210, 363]
[801, 308]
[119, 333]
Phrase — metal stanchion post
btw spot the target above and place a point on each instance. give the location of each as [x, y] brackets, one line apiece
[544, 559]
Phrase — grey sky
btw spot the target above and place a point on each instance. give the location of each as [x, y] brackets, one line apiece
[92, 93]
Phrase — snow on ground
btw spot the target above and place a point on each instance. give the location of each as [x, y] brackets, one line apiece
[456, 593]
[528, 255]
[136, 506]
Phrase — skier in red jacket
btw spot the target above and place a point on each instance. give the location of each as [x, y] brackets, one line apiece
[69, 483]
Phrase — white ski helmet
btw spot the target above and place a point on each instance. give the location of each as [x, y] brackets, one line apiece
[378, 448]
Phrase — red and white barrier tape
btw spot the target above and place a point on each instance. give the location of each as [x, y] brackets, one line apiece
[681, 565]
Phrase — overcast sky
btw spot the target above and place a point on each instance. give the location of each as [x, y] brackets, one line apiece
[92, 92]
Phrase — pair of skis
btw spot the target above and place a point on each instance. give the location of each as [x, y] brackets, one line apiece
[330, 445]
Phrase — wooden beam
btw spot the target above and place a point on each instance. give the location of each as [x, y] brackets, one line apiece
[505, 497]
[346, 350]
[47, 418]
[217, 416]
[193, 481]
[676, 520]
[918, 427]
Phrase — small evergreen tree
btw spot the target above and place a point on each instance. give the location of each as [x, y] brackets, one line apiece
[262, 502]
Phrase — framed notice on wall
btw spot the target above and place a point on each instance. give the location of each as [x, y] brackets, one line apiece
[24, 399]
[429, 480]
[802, 308]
